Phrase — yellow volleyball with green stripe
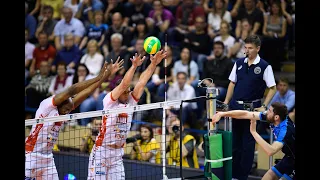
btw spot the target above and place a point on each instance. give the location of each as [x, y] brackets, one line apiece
[151, 45]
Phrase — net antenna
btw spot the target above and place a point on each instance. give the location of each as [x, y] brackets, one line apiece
[163, 135]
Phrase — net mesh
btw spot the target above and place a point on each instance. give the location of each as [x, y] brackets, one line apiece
[109, 147]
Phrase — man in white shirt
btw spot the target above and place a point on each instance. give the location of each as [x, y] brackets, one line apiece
[105, 161]
[39, 162]
[182, 90]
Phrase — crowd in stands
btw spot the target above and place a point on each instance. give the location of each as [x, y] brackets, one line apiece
[67, 41]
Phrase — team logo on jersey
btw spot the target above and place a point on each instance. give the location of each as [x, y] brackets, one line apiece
[257, 70]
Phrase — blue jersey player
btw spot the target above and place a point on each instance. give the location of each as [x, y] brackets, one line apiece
[283, 130]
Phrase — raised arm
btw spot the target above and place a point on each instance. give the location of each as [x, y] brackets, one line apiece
[238, 114]
[109, 70]
[76, 88]
[270, 149]
[145, 76]
[126, 81]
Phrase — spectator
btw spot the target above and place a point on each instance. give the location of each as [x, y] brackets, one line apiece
[30, 23]
[117, 27]
[47, 24]
[254, 16]
[138, 48]
[181, 90]
[72, 4]
[113, 6]
[218, 69]
[208, 5]
[68, 25]
[292, 115]
[157, 82]
[61, 81]
[97, 32]
[93, 59]
[116, 41]
[274, 31]
[141, 31]
[147, 148]
[218, 13]
[86, 10]
[284, 95]
[171, 5]
[82, 74]
[226, 38]
[199, 41]
[70, 54]
[185, 19]
[238, 50]
[57, 5]
[187, 65]
[89, 138]
[34, 7]
[189, 154]
[44, 52]
[160, 20]
[136, 11]
[37, 90]
[28, 53]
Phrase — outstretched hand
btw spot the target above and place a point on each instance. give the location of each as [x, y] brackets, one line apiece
[137, 61]
[216, 117]
[157, 58]
[114, 67]
[103, 69]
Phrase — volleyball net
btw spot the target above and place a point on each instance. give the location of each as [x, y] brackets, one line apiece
[149, 146]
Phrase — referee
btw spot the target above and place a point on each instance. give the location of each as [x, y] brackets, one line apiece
[249, 79]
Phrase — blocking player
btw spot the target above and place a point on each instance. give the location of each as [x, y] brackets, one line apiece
[39, 162]
[284, 132]
[105, 161]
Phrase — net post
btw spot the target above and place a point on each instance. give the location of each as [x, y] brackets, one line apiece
[211, 93]
[163, 144]
[271, 157]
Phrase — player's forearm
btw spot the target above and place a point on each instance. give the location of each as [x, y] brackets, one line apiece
[265, 146]
[146, 75]
[271, 93]
[80, 86]
[126, 81]
[240, 114]
[86, 93]
[229, 93]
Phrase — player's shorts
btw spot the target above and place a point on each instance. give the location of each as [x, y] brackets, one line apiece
[285, 168]
[106, 163]
[39, 166]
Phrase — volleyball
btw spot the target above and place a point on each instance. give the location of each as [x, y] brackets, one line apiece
[151, 45]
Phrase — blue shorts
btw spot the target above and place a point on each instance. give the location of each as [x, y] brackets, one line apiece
[285, 168]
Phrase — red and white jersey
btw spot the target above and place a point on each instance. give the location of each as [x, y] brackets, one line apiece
[42, 137]
[115, 127]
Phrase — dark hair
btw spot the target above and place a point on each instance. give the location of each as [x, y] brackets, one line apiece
[62, 63]
[75, 76]
[283, 79]
[253, 39]
[219, 43]
[48, 7]
[280, 109]
[148, 127]
[43, 33]
[190, 59]
[279, 6]
[181, 72]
